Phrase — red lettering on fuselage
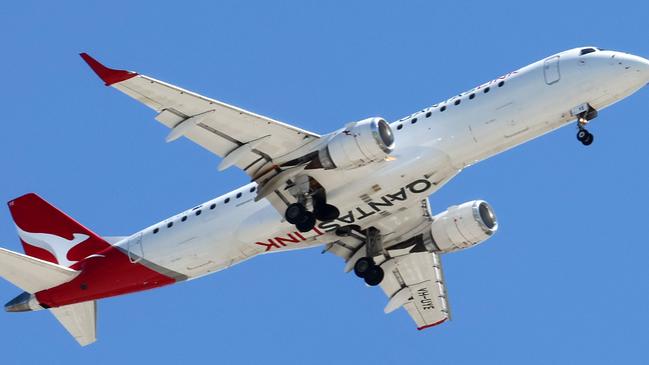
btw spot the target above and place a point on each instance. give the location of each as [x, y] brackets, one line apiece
[353, 216]
[290, 238]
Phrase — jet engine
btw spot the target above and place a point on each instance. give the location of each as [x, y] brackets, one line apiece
[463, 226]
[359, 144]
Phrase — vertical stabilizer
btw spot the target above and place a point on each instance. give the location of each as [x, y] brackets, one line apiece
[49, 234]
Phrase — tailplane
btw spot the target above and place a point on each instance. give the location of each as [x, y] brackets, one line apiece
[53, 244]
[49, 234]
[80, 320]
[31, 274]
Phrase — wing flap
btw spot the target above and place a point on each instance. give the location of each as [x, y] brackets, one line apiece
[415, 281]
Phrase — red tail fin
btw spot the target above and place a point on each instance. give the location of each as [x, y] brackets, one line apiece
[49, 234]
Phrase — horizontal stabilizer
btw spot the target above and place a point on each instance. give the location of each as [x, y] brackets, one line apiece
[31, 274]
[80, 320]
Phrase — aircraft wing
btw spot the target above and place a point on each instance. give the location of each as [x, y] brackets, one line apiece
[414, 277]
[242, 138]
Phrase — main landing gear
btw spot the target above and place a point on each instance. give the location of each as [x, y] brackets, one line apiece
[365, 267]
[588, 113]
[305, 220]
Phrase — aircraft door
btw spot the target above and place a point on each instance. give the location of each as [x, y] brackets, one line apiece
[135, 251]
[551, 70]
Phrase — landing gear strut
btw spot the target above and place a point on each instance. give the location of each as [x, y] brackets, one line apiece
[586, 113]
[365, 267]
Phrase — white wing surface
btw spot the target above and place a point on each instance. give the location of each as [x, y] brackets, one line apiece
[414, 277]
[244, 139]
[80, 320]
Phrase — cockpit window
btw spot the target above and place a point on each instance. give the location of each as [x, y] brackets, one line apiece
[586, 51]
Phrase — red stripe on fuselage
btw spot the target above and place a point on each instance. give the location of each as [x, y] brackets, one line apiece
[107, 274]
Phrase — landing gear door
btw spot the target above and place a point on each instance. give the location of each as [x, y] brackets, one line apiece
[135, 251]
[551, 70]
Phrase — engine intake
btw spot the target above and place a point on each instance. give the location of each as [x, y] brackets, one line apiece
[463, 226]
[359, 144]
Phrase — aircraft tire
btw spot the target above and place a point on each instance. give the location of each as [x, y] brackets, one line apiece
[295, 213]
[363, 266]
[374, 276]
[308, 223]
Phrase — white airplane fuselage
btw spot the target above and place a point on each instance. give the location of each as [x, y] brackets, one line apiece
[432, 145]
[374, 177]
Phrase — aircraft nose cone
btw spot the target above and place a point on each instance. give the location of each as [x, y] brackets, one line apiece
[645, 67]
[637, 65]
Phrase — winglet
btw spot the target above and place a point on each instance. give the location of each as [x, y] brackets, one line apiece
[108, 75]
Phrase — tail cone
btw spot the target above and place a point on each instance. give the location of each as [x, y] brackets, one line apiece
[25, 302]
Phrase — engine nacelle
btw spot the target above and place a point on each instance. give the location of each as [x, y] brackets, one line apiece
[463, 226]
[359, 144]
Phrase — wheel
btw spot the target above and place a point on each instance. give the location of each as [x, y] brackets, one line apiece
[374, 276]
[294, 213]
[582, 134]
[326, 212]
[363, 266]
[307, 224]
[588, 140]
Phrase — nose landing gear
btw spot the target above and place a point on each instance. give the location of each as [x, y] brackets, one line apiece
[584, 114]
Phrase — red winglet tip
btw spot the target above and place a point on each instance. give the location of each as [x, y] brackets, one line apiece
[108, 75]
[432, 325]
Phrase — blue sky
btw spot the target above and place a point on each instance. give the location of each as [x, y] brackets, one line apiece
[563, 281]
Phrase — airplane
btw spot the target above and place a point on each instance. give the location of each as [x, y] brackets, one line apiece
[361, 191]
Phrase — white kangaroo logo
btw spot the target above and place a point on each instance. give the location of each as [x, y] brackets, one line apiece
[57, 246]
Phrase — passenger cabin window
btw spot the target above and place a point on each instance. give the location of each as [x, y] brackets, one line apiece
[212, 206]
[400, 126]
[198, 212]
[471, 96]
[170, 224]
[238, 195]
[413, 121]
[252, 189]
[586, 51]
[486, 90]
[442, 108]
[428, 114]
[155, 230]
[227, 200]
[457, 102]
[184, 218]
[500, 84]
